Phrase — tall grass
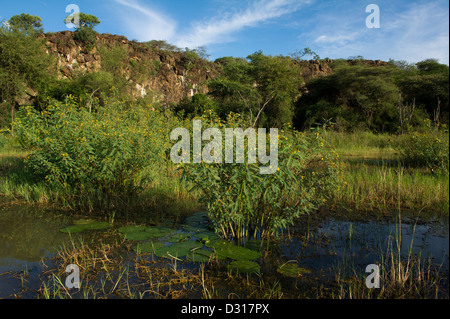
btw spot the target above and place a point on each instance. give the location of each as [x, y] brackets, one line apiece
[377, 179]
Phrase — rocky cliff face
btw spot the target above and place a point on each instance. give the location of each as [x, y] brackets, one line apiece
[168, 76]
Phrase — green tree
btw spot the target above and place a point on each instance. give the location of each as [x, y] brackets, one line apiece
[263, 89]
[358, 95]
[428, 87]
[24, 66]
[85, 31]
[195, 105]
[26, 24]
[84, 20]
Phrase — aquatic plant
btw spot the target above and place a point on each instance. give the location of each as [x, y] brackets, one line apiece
[292, 270]
[178, 250]
[243, 203]
[85, 224]
[244, 267]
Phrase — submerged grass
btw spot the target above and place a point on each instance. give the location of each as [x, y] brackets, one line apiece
[400, 277]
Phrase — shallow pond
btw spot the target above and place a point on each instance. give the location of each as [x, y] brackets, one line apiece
[30, 237]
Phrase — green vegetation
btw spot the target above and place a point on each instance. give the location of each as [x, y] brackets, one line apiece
[25, 69]
[367, 140]
[244, 203]
[101, 157]
[384, 98]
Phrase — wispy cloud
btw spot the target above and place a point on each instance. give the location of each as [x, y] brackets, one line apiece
[218, 29]
[423, 32]
[145, 23]
[414, 34]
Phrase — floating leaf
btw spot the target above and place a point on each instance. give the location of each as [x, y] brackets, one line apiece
[238, 253]
[219, 244]
[93, 225]
[258, 244]
[292, 270]
[200, 255]
[139, 232]
[148, 247]
[138, 235]
[244, 267]
[178, 250]
[207, 236]
[179, 237]
[131, 229]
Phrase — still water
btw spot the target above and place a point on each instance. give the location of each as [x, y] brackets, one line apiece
[30, 236]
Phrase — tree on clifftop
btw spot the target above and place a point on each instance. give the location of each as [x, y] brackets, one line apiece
[26, 24]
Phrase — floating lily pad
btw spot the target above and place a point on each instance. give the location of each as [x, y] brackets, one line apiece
[258, 244]
[207, 236]
[178, 250]
[179, 237]
[83, 221]
[140, 232]
[244, 267]
[148, 247]
[194, 228]
[219, 244]
[138, 235]
[93, 225]
[200, 255]
[292, 270]
[238, 253]
[131, 229]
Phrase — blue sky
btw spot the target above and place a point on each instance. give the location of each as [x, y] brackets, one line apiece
[409, 30]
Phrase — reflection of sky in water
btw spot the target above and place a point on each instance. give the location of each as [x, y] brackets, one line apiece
[362, 243]
[26, 236]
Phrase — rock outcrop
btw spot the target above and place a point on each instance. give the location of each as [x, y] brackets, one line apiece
[168, 76]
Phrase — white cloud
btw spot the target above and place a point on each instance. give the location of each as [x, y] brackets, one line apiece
[339, 39]
[418, 33]
[220, 30]
[144, 23]
[422, 32]
[149, 24]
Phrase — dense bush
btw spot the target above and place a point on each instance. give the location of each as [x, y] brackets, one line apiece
[88, 36]
[427, 147]
[99, 157]
[243, 203]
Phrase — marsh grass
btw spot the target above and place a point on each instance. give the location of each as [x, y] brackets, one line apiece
[401, 277]
[376, 179]
[383, 186]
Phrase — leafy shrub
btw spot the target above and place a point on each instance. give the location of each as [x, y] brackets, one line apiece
[243, 203]
[97, 159]
[427, 147]
[88, 36]
[3, 139]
